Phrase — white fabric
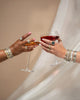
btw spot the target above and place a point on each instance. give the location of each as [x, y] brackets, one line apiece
[60, 82]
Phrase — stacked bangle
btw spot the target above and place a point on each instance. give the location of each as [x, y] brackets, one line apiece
[70, 56]
[8, 53]
[74, 56]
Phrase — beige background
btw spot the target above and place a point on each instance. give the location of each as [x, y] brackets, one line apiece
[16, 18]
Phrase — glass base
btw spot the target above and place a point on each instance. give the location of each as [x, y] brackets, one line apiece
[57, 63]
[27, 70]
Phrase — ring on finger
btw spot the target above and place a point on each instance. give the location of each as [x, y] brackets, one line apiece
[53, 43]
[26, 47]
[49, 47]
[21, 38]
[28, 41]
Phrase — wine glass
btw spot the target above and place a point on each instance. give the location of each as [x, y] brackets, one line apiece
[53, 36]
[27, 67]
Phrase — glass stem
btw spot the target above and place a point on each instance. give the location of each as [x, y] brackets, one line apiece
[28, 60]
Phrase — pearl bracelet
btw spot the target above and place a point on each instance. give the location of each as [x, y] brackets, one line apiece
[8, 53]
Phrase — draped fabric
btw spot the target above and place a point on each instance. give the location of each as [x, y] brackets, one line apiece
[56, 82]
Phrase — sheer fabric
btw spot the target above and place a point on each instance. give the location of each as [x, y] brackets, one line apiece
[59, 82]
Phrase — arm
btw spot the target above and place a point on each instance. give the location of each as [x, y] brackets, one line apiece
[16, 48]
[78, 57]
[2, 56]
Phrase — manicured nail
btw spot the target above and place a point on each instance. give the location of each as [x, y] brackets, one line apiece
[43, 39]
[40, 41]
[29, 33]
[34, 39]
[35, 46]
[39, 44]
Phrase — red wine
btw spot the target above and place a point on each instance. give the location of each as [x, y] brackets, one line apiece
[52, 38]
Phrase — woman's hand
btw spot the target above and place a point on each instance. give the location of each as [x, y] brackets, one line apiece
[56, 49]
[19, 46]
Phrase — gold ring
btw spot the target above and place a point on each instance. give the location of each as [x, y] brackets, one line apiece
[21, 38]
[26, 47]
[28, 41]
[49, 47]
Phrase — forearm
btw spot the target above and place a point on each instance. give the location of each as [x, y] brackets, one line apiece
[78, 57]
[2, 55]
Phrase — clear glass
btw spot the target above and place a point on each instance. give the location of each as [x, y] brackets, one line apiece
[35, 43]
[27, 66]
[58, 60]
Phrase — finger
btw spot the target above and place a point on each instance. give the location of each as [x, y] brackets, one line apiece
[26, 41]
[47, 41]
[46, 49]
[29, 48]
[59, 40]
[45, 45]
[26, 35]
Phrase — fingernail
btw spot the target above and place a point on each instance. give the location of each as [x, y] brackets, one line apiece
[34, 39]
[39, 44]
[29, 33]
[35, 46]
[40, 41]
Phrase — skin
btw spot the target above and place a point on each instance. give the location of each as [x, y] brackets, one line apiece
[18, 47]
[58, 49]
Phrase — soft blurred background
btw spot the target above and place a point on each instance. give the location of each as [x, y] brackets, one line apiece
[16, 18]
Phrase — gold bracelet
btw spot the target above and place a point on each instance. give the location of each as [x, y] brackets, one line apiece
[8, 53]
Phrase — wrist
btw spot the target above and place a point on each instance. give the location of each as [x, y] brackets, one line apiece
[12, 50]
[64, 53]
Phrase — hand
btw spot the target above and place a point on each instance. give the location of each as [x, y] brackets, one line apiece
[56, 49]
[19, 46]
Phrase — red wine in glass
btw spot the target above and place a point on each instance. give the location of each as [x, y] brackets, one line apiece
[52, 38]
